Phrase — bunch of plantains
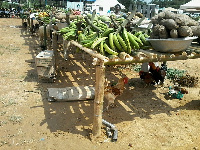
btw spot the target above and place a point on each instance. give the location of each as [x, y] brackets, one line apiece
[97, 35]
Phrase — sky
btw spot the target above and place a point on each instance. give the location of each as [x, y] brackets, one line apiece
[147, 1]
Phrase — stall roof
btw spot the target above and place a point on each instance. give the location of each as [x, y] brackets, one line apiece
[105, 3]
[194, 4]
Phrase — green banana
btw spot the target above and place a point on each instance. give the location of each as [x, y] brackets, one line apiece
[87, 40]
[108, 50]
[143, 39]
[111, 41]
[102, 48]
[146, 35]
[91, 35]
[81, 37]
[98, 41]
[72, 25]
[121, 41]
[125, 36]
[133, 42]
[138, 33]
[64, 30]
[88, 45]
[66, 36]
[103, 25]
[107, 32]
[138, 40]
[116, 42]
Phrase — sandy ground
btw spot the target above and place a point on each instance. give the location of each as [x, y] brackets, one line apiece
[146, 118]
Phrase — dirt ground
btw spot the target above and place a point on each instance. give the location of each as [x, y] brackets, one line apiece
[146, 118]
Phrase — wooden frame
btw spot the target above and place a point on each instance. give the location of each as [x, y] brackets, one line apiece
[140, 57]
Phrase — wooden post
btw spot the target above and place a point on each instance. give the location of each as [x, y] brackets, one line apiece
[31, 25]
[28, 21]
[54, 41]
[66, 46]
[22, 22]
[45, 36]
[98, 101]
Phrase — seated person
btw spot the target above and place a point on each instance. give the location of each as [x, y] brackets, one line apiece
[117, 11]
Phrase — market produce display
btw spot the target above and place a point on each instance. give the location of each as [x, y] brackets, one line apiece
[170, 25]
[95, 33]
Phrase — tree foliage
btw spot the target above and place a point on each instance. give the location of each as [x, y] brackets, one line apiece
[162, 3]
[169, 3]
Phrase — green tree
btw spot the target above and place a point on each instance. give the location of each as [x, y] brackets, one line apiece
[5, 5]
[169, 3]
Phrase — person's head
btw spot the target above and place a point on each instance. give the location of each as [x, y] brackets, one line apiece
[117, 8]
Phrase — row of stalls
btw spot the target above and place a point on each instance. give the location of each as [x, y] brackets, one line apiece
[46, 66]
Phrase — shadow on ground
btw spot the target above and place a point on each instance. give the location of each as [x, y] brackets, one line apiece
[77, 117]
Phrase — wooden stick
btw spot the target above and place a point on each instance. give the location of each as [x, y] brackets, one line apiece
[146, 59]
[97, 29]
[127, 20]
[66, 45]
[153, 56]
[149, 54]
[89, 51]
[114, 23]
[98, 101]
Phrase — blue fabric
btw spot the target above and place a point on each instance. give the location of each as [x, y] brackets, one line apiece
[179, 95]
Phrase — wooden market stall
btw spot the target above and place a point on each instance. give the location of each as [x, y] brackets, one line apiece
[100, 61]
[141, 56]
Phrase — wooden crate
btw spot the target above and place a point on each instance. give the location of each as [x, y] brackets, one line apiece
[46, 71]
[45, 58]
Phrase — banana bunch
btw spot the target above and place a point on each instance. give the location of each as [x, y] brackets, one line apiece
[69, 33]
[101, 25]
[88, 34]
[112, 43]
[107, 41]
